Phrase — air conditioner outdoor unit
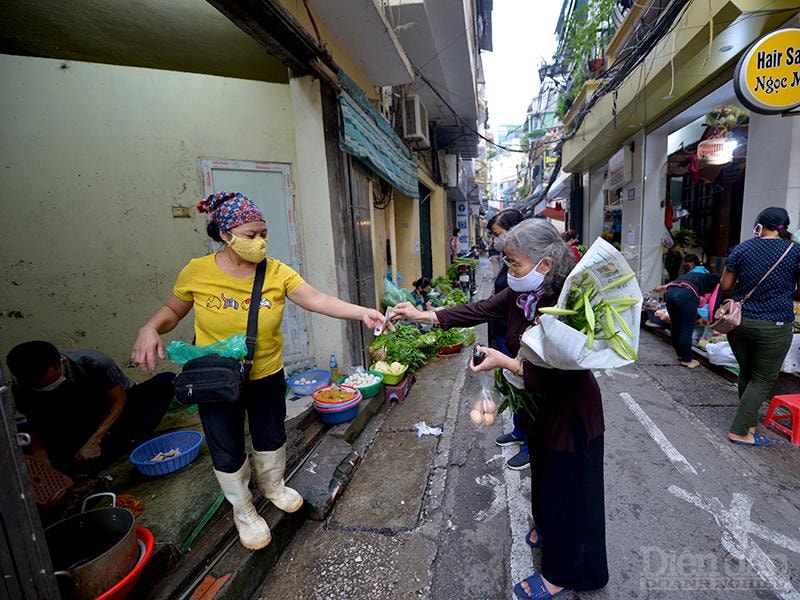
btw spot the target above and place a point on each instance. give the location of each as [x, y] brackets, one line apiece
[415, 122]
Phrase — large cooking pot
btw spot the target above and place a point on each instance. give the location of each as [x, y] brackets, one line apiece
[93, 550]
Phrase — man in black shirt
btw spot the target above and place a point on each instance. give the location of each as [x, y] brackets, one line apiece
[80, 406]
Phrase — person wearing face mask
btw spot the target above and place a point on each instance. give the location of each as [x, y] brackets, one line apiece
[499, 225]
[79, 405]
[764, 337]
[218, 287]
[566, 437]
[422, 289]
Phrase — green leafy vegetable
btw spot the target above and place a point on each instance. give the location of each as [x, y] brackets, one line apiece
[513, 398]
[402, 346]
[446, 338]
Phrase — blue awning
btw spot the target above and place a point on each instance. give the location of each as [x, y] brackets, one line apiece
[369, 137]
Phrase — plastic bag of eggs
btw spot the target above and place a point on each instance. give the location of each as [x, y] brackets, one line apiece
[484, 409]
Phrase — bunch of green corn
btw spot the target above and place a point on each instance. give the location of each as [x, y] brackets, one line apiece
[598, 320]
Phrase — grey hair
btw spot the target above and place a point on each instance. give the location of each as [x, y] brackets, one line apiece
[536, 239]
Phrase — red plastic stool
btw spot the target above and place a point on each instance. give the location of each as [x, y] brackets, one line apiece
[790, 402]
[400, 391]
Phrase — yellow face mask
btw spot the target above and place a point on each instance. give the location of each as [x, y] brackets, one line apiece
[252, 250]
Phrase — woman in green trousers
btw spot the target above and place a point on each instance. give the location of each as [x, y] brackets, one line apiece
[761, 342]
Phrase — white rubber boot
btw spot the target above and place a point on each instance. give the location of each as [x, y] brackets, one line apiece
[253, 529]
[270, 467]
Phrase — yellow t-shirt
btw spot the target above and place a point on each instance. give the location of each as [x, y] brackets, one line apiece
[221, 304]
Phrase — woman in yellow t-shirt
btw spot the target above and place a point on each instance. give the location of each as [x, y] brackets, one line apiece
[218, 287]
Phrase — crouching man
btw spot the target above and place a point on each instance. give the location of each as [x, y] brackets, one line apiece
[80, 406]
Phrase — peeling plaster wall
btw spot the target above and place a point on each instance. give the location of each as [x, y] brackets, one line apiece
[92, 160]
[314, 216]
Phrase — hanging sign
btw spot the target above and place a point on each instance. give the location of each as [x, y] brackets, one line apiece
[462, 222]
[619, 169]
[767, 79]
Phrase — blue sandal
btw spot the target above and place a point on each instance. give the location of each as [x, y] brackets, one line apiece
[538, 543]
[758, 441]
[538, 589]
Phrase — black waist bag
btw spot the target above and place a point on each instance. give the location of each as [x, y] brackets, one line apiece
[211, 378]
[215, 378]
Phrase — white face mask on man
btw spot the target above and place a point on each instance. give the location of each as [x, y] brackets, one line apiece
[54, 385]
[527, 283]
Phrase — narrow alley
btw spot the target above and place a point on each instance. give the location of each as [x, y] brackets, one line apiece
[687, 512]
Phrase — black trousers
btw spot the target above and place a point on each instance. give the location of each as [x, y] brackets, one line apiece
[682, 308]
[567, 501]
[146, 404]
[263, 401]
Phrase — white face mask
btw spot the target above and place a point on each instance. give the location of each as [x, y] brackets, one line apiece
[527, 283]
[53, 386]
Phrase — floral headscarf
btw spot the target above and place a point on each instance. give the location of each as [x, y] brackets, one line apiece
[230, 209]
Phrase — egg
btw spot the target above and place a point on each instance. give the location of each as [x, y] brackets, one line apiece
[476, 417]
[488, 419]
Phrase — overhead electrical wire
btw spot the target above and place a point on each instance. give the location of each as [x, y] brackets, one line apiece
[466, 123]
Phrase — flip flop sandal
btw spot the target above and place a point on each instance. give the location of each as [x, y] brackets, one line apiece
[758, 441]
[538, 589]
[538, 543]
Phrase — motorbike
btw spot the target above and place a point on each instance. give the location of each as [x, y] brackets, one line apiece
[466, 272]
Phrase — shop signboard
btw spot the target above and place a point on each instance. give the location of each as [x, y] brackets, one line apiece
[767, 79]
[619, 169]
[462, 222]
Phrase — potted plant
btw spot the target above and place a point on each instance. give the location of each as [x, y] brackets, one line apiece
[596, 65]
[722, 120]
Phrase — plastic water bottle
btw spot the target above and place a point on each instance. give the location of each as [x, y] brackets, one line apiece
[334, 368]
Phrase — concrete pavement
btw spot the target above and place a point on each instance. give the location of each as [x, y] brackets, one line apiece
[688, 515]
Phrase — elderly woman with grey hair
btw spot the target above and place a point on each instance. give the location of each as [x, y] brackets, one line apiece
[566, 437]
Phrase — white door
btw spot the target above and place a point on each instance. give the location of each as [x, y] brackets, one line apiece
[271, 187]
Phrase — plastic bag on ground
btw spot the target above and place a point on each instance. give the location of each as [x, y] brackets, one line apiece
[425, 429]
[180, 352]
[554, 344]
[721, 354]
[791, 364]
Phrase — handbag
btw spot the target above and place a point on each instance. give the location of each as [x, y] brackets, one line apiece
[729, 315]
[215, 378]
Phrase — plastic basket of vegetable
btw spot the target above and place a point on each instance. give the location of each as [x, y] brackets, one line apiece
[447, 350]
[167, 453]
[305, 383]
[367, 382]
[392, 373]
[448, 341]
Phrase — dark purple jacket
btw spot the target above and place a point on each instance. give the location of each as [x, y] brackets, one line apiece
[566, 398]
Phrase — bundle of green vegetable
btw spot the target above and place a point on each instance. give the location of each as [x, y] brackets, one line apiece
[405, 345]
[598, 319]
[454, 298]
[442, 285]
